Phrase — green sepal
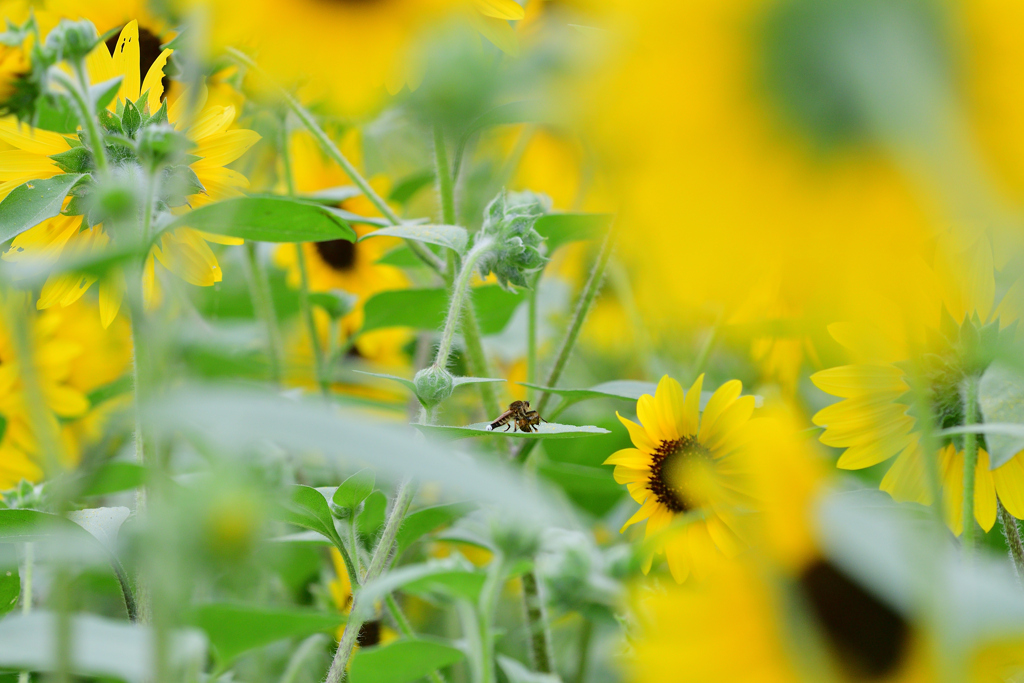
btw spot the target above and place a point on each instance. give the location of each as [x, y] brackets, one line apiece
[74, 160]
[110, 122]
[179, 183]
[131, 119]
[160, 116]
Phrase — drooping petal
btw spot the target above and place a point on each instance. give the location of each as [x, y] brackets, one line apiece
[630, 457]
[638, 435]
[849, 381]
[907, 480]
[677, 554]
[153, 82]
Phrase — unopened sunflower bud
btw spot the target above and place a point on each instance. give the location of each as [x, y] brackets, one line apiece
[160, 145]
[72, 40]
[518, 248]
[433, 385]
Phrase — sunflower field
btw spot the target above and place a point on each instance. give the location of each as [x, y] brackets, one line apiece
[511, 341]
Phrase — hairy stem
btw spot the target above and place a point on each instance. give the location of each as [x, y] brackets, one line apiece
[531, 338]
[79, 91]
[970, 458]
[26, 593]
[536, 625]
[378, 563]
[301, 654]
[445, 186]
[586, 633]
[489, 595]
[583, 305]
[458, 302]
[1012, 534]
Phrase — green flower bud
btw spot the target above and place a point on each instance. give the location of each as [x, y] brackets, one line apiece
[518, 248]
[515, 540]
[160, 145]
[72, 40]
[433, 385]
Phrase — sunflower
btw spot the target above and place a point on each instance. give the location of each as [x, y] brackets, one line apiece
[684, 469]
[13, 57]
[183, 251]
[379, 36]
[875, 421]
[54, 355]
[373, 632]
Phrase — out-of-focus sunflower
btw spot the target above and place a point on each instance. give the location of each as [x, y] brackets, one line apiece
[876, 419]
[183, 251]
[374, 631]
[13, 53]
[54, 353]
[741, 145]
[685, 468]
[376, 38]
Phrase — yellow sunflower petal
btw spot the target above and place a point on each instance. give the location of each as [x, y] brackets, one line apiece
[630, 457]
[645, 511]
[650, 418]
[637, 434]
[20, 165]
[704, 554]
[126, 61]
[153, 83]
[499, 32]
[907, 480]
[220, 150]
[111, 294]
[691, 408]
[30, 139]
[677, 554]
[720, 400]
[731, 418]
[64, 400]
[627, 475]
[724, 537]
[849, 381]
[984, 493]
[951, 465]
[670, 402]
[1009, 482]
[875, 451]
[509, 10]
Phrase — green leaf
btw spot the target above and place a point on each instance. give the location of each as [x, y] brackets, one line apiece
[350, 217]
[103, 648]
[626, 389]
[429, 519]
[402, 662]
[234, 628]
[451, 236]
[233, 420]
[3, 426]
[1001, 397]
[53, 534]
[131, 119]
[401, 257]
[563, 228]
[74, 160]
[457, 583]
[110, 122]
[103, 93]
[10, 589]
[333, 195]
[425, 309]
[114, 477]
[308, 509]
[371, 594]
[267, 218]
[33, 202]
[337, 304]
[406, 188]
[102, 523]
[371, 519]
[546, 430]
[354, 490]
[517, 673]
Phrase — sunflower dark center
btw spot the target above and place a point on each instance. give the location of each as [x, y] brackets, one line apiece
[870, 638]
[668, 472]
[338, 254]
[149, 50]
[369, 634]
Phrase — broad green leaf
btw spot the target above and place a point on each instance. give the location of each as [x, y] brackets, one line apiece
[372, 593]
[401, 257]
[517, 673]
[1001, 398]
[267, 218]
[406, 188]
[114, 477]
[234, 419]
[10, 589]
[563, 228]
[371, 519]
[350, 217]
[102, 523]
[451, 236]
[403, 661]
[425, 309]
[54, 535]
[308, 508]
[338, 304]
[457, 583]
[103, 648]
[234, 628]
[354, 490]
[333, 195]
[33, 202]
[429, 519]
[546, 430]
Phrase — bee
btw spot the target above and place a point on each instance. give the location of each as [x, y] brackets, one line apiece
[518, 416]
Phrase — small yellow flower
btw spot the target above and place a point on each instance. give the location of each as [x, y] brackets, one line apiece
[183, 251]
[684, 469]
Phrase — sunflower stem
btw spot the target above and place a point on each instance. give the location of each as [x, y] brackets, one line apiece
[406, 628]
[1011, 532]
[586, 634]
[531, 338]
[302, 653]
[583, 305]
[460, 289]
[26, 594]
[300, 258]
[536, 624]
[970, 459]
[378, 563]
[78, 88]
[486, 607]
[263, 301]
[445, 186]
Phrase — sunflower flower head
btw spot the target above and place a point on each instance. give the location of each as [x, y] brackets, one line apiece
[684, 472]
[518, 248]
